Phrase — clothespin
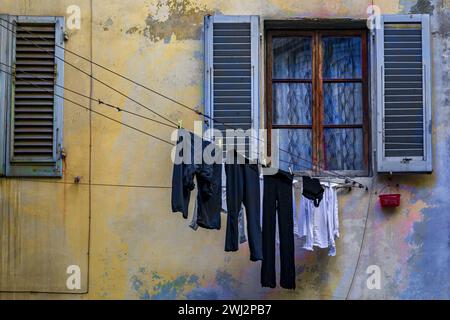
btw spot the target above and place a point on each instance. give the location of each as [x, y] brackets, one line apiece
[180, 124]
[265, 163]
[290, 168]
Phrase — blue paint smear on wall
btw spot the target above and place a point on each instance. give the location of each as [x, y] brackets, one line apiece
[429, 268]
[224, 287]
[151, 285]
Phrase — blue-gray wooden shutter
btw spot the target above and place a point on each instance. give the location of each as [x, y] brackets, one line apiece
[404, 127]
[5, 58]
[232, 72]
[36, 107]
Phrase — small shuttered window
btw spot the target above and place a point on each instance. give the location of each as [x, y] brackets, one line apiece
[35, 113]
[404, 94]
[231, 73]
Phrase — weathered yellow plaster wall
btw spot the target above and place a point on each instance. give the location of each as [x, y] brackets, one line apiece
[44, 226]
[137, 248]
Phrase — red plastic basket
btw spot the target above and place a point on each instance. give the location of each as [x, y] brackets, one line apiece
[390, 200]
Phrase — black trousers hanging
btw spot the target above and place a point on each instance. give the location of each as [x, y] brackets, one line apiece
[243, 188]
[278, 200]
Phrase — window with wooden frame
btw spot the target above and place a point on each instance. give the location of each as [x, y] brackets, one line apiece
[317, 99]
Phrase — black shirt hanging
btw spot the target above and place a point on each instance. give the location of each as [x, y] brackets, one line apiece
[313, 190]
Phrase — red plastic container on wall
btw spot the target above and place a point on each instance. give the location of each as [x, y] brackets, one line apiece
[390, 200]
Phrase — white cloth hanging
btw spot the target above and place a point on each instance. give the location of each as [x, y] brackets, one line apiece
[319, 227]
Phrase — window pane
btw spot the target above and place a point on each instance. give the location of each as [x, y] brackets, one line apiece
[292, 58]
[343, 103]
[292, 103]
[344, 149]
[298, 142]
[341, 57]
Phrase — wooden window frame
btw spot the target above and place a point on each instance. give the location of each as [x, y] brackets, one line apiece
[317, 82]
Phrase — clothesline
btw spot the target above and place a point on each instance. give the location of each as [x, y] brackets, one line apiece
[81, 70]
[86, 108]
[101, 102]
[94, 111]
[154, 91]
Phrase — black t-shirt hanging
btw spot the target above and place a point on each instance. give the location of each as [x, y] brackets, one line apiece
[313, 190]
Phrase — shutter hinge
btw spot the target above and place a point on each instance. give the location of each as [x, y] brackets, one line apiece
[65, 36]
[62, 152]
[56, 72]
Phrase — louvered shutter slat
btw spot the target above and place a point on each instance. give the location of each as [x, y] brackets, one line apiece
[411, 37]
[404, 123]
[34, 98]
[231, 55]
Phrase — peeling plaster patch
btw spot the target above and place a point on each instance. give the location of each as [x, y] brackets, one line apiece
[133, 30]
[107, 24]
[174, 18]
[159, 11]
[422, 6]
